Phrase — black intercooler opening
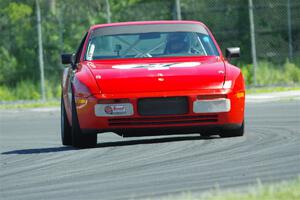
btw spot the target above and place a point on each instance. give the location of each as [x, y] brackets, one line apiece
[163, 106]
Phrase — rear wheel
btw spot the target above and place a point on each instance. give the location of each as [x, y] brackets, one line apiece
[66, 129]
[79, 139]
[233, 132]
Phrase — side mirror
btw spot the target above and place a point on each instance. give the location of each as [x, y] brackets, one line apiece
[232, 52]
[68, 59]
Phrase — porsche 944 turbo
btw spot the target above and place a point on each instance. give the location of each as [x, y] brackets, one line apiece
[150, 78]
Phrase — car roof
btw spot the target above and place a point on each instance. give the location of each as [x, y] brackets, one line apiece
[146, 23]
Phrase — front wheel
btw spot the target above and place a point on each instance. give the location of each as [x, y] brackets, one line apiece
[66, 129]
[233, 132]
[79, 139]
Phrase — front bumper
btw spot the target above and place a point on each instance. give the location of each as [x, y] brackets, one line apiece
[234, 116]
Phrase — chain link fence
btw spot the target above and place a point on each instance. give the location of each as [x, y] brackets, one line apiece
[276, 23]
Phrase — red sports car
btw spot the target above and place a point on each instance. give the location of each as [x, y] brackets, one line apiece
[150, 78]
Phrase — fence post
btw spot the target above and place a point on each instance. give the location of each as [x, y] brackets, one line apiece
[41, 59]
[178, 9]
[290, 29]
[253, 46]
[108, 13]
[61, 26]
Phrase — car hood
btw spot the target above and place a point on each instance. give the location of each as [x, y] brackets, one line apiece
[155, 76]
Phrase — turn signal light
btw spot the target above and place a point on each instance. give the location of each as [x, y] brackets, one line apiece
[240, 95]
[80, 102]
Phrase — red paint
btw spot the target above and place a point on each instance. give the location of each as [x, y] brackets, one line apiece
[108, 84]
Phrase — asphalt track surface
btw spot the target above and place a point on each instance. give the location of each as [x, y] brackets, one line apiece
[35, 166]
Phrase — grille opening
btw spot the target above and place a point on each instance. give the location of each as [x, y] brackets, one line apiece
[163, 106]
[163, 120]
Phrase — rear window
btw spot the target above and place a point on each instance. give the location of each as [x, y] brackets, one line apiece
[138, 41]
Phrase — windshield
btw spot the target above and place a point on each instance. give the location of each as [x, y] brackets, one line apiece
[154, 41]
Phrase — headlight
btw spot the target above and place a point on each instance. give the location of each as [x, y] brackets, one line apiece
[227, 84]
[80, 90]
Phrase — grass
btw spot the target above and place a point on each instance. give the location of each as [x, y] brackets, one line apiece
[26, 94]
[272, 74]
[23, 105]
[27, 90]
[259, 90]
[289, 190]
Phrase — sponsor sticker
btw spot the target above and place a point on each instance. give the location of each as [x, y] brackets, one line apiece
[115, 109]
[110, 110]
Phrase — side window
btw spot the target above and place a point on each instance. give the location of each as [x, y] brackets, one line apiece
[197, 45]
[79, 49]
[208, 44]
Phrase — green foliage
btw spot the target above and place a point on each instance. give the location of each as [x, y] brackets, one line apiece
[53, 90]
[27, 90]
[17, 11]
[6, 94]
[24, 90]
[8, 67]
[17, 41]
[292, 73]
[139, 10]
[247, 73]
[281, 191]
[268, 74]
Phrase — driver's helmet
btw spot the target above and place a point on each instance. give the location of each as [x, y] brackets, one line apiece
[177, 43]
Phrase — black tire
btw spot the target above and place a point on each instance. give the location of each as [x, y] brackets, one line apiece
[79, 139]
[205, 134]
[233, 132]
[66, 129]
